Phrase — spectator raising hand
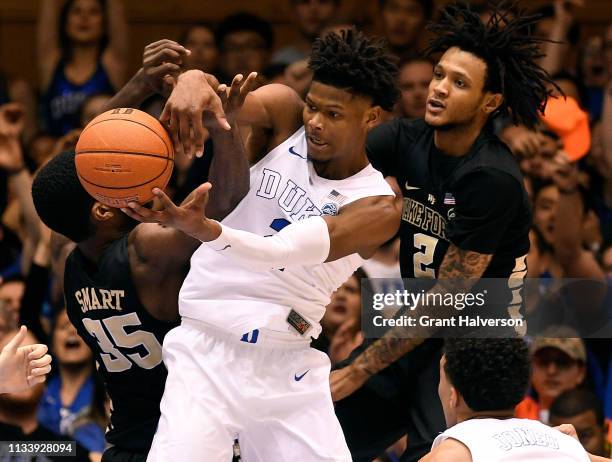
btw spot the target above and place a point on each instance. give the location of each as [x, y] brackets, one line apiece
[22, 367]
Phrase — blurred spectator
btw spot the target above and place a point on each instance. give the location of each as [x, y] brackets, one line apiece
[245, 42]
[69, 397]
[341, 322]
[403, 23]
[592, 74]
[18, 412]
[40, 149]
[582, 409]
[199, 38]
[11, 293]
[311, 17]
[558, 365]
[92, 107]
[82, 50]
[606, 260]
[607, 48]
[413, 79]
[560, 27]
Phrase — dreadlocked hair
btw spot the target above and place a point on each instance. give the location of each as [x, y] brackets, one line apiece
[509, 50]
[356, 63]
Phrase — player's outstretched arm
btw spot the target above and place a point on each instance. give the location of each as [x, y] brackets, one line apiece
[360, 227]
[274, 108]
[22, 367]
[457, 265]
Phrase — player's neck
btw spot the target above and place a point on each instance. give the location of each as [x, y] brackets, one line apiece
[94, 247]
[341, 167]
[457, 141]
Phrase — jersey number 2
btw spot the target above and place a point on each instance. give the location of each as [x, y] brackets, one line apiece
[426, 246]
[113, 359]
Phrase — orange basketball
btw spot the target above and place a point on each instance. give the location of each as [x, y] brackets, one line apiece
[122, 155]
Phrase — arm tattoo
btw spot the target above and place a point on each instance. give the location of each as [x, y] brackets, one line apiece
[463, 267]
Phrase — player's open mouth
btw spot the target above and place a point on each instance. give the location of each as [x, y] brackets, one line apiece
[72, 343]
[316, 141]
[434, 105]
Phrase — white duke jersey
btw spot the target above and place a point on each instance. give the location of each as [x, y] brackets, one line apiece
[284, 188]
[514, 440]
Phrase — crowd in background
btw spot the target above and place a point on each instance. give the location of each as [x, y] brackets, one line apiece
[82, 62]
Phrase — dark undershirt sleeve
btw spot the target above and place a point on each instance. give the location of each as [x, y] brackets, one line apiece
[486, 203]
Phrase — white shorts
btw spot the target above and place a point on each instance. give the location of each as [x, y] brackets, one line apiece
[272, 395]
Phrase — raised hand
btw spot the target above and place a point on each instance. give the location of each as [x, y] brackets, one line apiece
[22, 367]
[188, 217]
[564, 173]
[161, 64]
[234, 99]
[191, 98]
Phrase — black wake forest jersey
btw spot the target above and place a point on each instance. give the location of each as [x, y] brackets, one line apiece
[103, 305]
[477, 201]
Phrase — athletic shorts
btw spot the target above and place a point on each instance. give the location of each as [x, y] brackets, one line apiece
[270, 394]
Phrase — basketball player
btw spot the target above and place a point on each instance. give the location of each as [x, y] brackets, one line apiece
[121, 284]
[466, 213]
[479, 394]
[240, 364]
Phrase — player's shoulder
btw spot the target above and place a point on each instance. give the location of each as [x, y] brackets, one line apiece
[493, 160]
[450, 450]
[405, 129]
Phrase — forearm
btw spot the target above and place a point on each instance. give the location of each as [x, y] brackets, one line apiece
[117, 28]
[568, 237]
[20, 185]
[552, 61]
[606, 121]
[229, 173]
[132, 94]
[459, 271]
[48, 26]
[305, 242]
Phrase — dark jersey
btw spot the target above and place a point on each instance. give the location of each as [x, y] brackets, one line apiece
[103, 305]
[477, 201]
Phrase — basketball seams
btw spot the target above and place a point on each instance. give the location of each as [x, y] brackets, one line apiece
[130, 186]
[123, 151]
[168, 151]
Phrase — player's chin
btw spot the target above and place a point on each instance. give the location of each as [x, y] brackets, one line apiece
[319, 152]
[435, 120]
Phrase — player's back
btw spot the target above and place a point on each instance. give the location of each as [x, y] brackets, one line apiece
[103, 304]
[514, 440]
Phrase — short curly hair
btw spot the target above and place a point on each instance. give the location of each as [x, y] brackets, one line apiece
[361, 65]
[60, 200]
[509, 50]
[490, 374]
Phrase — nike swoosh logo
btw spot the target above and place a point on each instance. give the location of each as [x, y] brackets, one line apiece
[226, 247]
[292, 151]
[408, 187]
[300, 377]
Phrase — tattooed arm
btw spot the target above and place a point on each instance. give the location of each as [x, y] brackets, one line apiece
[457, 265]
